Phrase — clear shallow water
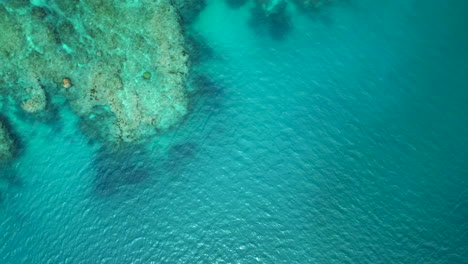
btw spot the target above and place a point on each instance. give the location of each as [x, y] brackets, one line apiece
[344, 142]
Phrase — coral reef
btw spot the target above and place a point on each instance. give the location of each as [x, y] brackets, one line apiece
[37, 100]
[189, 10]
[127, 81]
[111, 81]
[80, 41]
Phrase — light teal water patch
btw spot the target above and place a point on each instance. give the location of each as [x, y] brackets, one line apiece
[343, 143]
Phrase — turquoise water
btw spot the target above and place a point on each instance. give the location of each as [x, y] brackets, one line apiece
[342, 139]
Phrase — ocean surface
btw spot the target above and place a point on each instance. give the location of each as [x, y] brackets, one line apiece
[337, 135]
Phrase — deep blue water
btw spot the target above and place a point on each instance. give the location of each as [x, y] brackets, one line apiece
[339, 139]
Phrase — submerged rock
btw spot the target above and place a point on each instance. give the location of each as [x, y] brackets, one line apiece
[37, 100]
[7, 144]
[66, 83]
[271, 17]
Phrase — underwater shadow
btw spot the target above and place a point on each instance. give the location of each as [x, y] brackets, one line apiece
[189, 10]
[236, 3]
[19, 145]
[208, 95]
[179, 156]
[8, 179]
[198, 48]
[208, 105]
[115, 171]
[275, 22]
[318, 10]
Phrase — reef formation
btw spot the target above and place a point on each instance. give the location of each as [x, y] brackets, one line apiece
[274, 17]
[111, 93]
[122, 67]
[7, 145]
